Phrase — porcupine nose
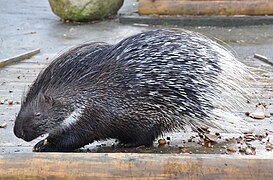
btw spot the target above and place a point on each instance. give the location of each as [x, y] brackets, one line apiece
[17, 129]
[23, 133]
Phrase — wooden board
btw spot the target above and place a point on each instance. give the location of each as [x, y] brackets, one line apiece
[18, 58]
[205, 7]
[133, 166]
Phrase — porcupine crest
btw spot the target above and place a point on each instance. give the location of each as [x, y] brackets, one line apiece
[187, 77]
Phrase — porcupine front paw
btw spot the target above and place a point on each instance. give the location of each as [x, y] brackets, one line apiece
[45, 146]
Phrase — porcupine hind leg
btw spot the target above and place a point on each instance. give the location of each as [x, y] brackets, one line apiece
[138, 137]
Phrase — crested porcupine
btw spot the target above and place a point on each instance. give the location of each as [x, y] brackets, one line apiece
[147, 84]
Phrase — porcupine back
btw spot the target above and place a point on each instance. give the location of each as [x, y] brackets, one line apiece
[188, 78]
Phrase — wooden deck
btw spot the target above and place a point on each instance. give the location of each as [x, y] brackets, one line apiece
[133, 166]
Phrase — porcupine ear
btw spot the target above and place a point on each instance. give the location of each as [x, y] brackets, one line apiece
[46, 100]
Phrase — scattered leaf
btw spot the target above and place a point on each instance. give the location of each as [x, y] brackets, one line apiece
[162, 141]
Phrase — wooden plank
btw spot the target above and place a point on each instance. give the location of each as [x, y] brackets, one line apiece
[19, 57]
[133, 166]
[205, 7]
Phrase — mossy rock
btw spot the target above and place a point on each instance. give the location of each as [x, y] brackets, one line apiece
[85, 10]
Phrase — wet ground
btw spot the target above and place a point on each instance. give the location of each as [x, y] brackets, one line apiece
[27, 25]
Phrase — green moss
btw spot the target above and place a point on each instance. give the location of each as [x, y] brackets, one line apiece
[166, 24]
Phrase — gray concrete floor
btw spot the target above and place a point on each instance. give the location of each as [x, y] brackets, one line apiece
[26, 25]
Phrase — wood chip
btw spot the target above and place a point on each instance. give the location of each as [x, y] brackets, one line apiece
[268, 146]
[250, 151]
[259, 112]
[10, 102]
[211, 137]
[231, 149]
[249, 137]
[4, 125]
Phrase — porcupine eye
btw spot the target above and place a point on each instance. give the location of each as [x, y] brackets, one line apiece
[38, 114]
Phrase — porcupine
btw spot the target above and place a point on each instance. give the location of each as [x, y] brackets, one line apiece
[147, 84]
